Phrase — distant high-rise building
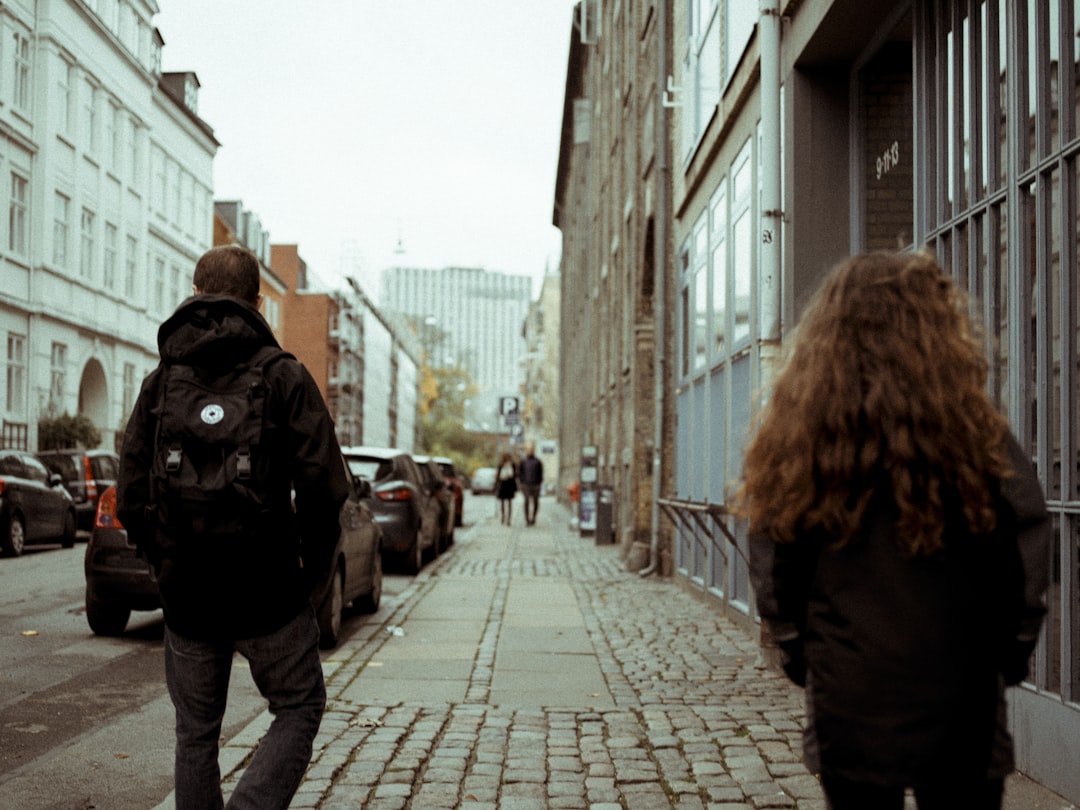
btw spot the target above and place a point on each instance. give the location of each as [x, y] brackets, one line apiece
[469, 317]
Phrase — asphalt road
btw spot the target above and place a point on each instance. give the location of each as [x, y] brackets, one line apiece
[85, 721]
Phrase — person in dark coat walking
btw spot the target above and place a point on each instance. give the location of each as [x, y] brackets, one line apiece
[251, 592]
[899, 540]
[530, 478]
[506, 487]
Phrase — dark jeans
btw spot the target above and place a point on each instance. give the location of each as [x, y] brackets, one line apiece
[286, 667]
[506, 509]
[985, 794]
[532, 502]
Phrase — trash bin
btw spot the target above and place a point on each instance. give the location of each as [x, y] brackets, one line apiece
[605, 516]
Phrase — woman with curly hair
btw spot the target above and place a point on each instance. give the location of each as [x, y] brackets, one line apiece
[899, 540]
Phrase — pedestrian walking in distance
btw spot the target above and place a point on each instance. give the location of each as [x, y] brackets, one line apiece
[899, 540]
[531, 478]
[506, 487]
[225, 431]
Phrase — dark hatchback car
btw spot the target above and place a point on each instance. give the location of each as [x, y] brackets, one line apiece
[86, 474]
[34, 506]
[406, 511]
[436, 485]
[119, 580]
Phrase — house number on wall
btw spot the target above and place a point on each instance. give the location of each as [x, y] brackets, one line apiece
[888, 160]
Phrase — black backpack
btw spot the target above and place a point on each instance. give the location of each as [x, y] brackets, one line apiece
[211, 476]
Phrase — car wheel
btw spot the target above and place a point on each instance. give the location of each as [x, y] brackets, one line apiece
[330, 611]
[15, 539]
[67, 539]
[414, 557]
[106, 619]
[369, 602]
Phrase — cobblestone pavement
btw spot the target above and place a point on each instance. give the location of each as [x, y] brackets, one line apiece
[695, 725]
[694, 722]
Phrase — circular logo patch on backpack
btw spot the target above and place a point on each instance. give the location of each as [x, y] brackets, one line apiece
[212, 414]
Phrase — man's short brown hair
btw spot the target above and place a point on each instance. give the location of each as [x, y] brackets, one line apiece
[229, 270]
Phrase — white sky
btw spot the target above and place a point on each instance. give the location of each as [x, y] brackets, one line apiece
[436, 121]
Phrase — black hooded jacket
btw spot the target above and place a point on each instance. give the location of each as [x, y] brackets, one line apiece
[905, 659]
[240, 592]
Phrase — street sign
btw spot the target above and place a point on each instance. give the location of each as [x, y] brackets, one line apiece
[508, 405]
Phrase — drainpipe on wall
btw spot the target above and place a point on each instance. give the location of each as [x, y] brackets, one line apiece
[660, 270]
[772, 218]
[772, 214]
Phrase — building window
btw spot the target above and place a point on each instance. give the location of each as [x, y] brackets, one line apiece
[132, 151]
[90, 117]
[65, 76]
[177, 285]
[61, 230]
[16, 373]
[17, 215]
[701, 70]
[86, 252]
[160, 189]
[700, 246]
[109, 264]
[129, 387]
[21, 89]
[685, 351]
[113, 135]
[56, 375]
[718, 239]
[742, 15]
[159, 285]
[743, 252]
[130, 267]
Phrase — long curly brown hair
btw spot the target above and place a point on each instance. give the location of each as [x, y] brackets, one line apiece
[884, 385]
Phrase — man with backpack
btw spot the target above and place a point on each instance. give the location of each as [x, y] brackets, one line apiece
[231, 484]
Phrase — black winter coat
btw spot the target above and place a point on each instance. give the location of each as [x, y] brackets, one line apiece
[905, 660]
[240, 592]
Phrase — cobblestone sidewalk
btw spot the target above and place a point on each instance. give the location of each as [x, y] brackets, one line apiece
[695, 724]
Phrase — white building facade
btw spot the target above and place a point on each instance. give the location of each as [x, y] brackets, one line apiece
[108, 173]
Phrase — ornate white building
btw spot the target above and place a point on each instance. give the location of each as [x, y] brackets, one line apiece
[108, 174]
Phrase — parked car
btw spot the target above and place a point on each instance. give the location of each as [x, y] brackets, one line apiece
[86, 474]
[455, 485]
[119, 579]
[34, 506]
[404, 509]
[438, 489]
[483, 481]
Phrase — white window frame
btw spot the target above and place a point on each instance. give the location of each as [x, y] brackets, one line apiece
[15, 374]
[21, 65]
[61, 229]
[108, 264]
[87, 244]
[57, 362]
[18, 214]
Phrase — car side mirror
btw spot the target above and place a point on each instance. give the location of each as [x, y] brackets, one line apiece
[56, 480]
[363, 488]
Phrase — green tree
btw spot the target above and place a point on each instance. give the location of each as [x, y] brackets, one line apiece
[57, 431]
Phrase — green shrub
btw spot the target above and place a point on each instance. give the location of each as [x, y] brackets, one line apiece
[65, 430]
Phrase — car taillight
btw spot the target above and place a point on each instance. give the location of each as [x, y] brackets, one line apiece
[91, 482]
[397, 494]
[106, 511]
[3, 485]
